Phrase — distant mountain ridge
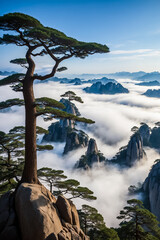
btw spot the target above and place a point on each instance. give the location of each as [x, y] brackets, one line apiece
[139, 76]
[152, 93]
[151, 83]
[108, 88]
[78, 81]
[6, 73]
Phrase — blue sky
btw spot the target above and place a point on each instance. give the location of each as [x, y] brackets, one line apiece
[131, 29]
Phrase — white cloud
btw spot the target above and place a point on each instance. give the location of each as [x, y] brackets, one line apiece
[114, 116]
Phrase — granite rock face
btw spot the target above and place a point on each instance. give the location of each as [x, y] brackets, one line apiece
[151, 190]
[8, 219]
[75, 139]
[154, 140]
[150, 137]
[108, 88]
[37, 212]
[40, 216]
[145, 133]
[92, 156]
[58, 131]
[64, 131]
[128, 155]
[134, 151]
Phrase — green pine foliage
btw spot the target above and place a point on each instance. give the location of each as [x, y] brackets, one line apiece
[72, 96]
[137, 222]
[14, 78]
[92, 223]
[39, 40]
[11, 102]
[70, 187]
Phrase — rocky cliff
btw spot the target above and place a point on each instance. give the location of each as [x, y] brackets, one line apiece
[92, 156]
[154, 140]
[151, 190]
[75, 139]
[150, 137]
[108, 88]
[128, 155]
[38, 215]
[64, 131]
[58, 131]
[145, 133]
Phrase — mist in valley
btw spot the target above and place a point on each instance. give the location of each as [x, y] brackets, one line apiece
[114, 116]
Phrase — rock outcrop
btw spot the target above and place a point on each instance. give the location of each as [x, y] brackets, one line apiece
[8, 221]
[151, 190]
[128, 155]
[58, 131]
[64, 131]
[150, 137]
[75, 139]
[134, 151]
[40, 216]
[92, 156]
[154, 140]
[108, 88]
[145, 133]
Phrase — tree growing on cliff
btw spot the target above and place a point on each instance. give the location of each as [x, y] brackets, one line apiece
[72, 96]
[39, 40]
[51, 176]
[70, 187]
[92, 223]
[137, 222]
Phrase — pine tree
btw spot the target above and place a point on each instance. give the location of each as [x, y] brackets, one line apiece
[137, 222]
[39, 41]
[93, 224]
[72, 96]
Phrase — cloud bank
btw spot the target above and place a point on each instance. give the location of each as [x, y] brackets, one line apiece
[114, 115]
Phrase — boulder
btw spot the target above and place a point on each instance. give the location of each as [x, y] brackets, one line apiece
[37, 213]
[75, 217]
[33, 213]
[64, 208]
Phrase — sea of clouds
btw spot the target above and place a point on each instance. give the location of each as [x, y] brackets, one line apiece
[114, 116]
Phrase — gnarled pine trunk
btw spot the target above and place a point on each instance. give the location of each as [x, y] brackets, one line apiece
[30, 168]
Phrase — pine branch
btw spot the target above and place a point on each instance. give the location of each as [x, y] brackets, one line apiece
[11, 102]
[56, 113]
